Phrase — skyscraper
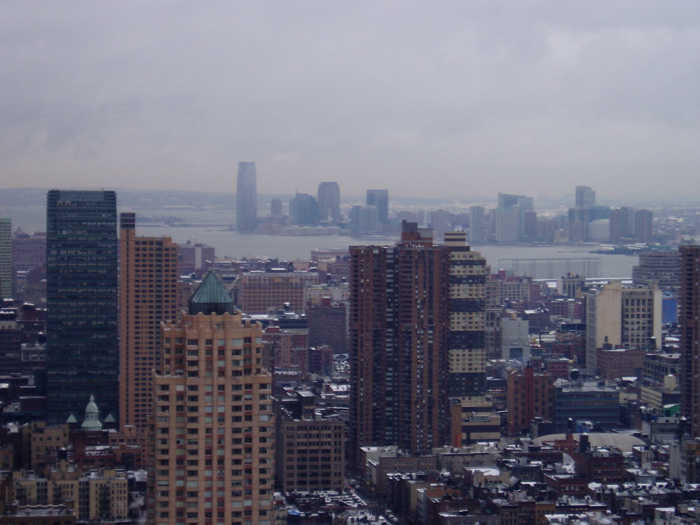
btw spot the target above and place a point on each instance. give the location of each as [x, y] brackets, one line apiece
[329, 201]
[246, 198]
[82, 349]
[363, 220]
[5, 258]
[467, 305]
[148, 280]
[643, 225]
[213, 428]
[585, 197]
[689, 313]
[380, 199]
[400, 328]
[477, 224]
[303, 209]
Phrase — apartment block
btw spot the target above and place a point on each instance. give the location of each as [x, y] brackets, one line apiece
[212, 441]
[148, 280]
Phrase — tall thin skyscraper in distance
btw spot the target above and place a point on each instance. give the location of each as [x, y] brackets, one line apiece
[585, 197]
[688, 314]
[5, 258]
[329, 201]
[148, 280]
[82, 337]
[380, 199]
[246, 198]
[477, 224]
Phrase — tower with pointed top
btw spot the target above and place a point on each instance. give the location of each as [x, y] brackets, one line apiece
[213, 421]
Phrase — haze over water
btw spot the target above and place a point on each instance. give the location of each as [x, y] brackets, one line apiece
[210, 227]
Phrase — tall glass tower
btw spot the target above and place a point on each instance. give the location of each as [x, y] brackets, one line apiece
[82, 338]
[246, 198]
[380, 199]
[329, 201]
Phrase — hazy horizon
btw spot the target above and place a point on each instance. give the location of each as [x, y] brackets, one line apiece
[449, 99]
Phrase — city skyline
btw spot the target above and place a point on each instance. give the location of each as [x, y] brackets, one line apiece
[532, 98]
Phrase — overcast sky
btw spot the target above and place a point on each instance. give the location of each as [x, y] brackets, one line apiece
[433, 98]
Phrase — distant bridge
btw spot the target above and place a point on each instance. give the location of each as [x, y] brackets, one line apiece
[553, 268]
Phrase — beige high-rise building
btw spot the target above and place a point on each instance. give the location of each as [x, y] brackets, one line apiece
[212, 441]
[622, 316]
[148, 282]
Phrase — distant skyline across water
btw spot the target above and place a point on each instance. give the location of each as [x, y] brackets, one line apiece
[230, 243]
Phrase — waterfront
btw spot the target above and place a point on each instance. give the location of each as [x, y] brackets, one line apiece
[229, 243]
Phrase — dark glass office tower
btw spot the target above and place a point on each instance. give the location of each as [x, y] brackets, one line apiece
[82, 352]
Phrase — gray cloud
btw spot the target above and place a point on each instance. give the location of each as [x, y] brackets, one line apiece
[425, 98]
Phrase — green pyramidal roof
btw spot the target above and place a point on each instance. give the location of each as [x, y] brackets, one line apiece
[211, 297]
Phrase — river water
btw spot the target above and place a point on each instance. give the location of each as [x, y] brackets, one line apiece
[212, 228]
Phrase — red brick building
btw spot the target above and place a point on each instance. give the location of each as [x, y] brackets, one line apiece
[528, 395]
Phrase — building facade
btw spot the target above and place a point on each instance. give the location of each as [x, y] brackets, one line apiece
[97, 496]
[310, 449]
[584, 402]
[303, 208]
[585, 197]
[213, 429]
[380, 199]
[329, 201]
[147, 296]
[399, 357]
[82, 336]
[467, 304]
[258, 292]
[328, 325]
[689, 313]
[662, 267]
[5, 258]
[529, 395]
[622, 316]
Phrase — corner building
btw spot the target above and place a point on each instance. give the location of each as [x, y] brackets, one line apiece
[213, 428]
